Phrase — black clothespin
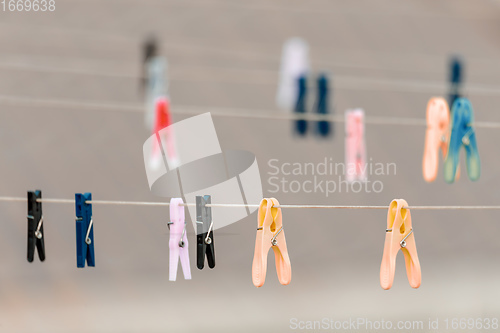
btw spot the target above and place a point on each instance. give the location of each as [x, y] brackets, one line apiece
[456, 76]
[84, 230]
[322, 105]
[301, 105]
[35, 226]
[204, 231]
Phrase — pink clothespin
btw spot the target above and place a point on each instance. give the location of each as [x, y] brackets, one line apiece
[178, 243]
[355, 147]
[161, 128]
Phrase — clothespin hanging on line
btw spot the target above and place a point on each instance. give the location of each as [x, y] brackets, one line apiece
[205, 232]
[84, 231]
[36, 234]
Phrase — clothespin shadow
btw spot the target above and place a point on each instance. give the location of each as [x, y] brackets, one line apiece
[204, 232]
[455, 77]
[322, 105]
[301, 105]
[36, 234]
[84, 231]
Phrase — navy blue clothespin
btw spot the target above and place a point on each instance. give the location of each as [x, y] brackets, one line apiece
[322, 106]
[204, 232]
[455, 79]
[301, 105]
[35, 226]
[84, 230]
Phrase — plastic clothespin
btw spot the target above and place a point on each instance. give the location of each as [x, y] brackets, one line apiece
[455, 78]
[178, 243]
[437, 137]
[322, 105]
[301, 105]
[270, 233]
[294, 63]
[399, 236]
[36, 234]
[84, 230]
[205, 233]
[156, 87]
[355, 146]
[462, 134]
[149, 50]
[162, 121]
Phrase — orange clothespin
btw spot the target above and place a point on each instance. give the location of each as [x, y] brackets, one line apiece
[270, 233]
[436, 137]
[399, 236]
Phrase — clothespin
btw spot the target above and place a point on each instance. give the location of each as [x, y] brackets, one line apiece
[157, 86]
[270, 233]
[301, 105]
[294, 63]
[149, 50]
[462, 134]
[84, 230]
[205, 233]
[178, 243]
[322, 105]
[355, 147]
[162, 120]
[399, 236]
[437, 136]
[455, 79]
[36, 234]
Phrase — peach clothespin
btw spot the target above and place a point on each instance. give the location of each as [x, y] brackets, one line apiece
[436, 137]
[270, 233]
[399, 236]
[355, 147]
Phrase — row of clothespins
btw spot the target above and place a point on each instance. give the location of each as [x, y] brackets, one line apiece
[270, 234]
[445, 132]
[293, 86]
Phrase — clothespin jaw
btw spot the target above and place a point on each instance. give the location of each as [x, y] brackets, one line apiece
[270, 234]
[462, 134]
[84, 230]
[437, 136]
[301, 105]
[399, 236]
[322, 107]
[205, 233]
[36, 234]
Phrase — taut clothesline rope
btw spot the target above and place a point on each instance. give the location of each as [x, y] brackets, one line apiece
[222, 112]
[144, 203]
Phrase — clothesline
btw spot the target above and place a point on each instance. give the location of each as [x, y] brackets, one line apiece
[145, 203]
[223, 112]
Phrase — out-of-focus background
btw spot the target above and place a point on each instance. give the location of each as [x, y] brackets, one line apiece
[60, 71]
